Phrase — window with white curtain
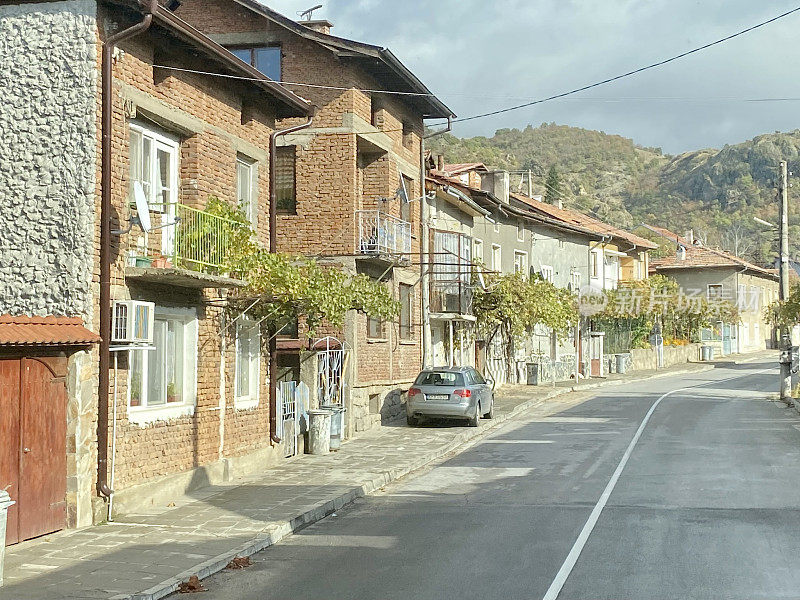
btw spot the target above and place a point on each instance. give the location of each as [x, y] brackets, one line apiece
[154, 165]
[166, 375]
[246, 189]
[248, 360]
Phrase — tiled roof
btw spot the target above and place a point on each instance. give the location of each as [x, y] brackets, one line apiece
[698, 256]
[457, 168]
[577, 218]
[44, 331]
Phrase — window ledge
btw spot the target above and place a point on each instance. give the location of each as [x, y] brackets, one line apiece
[408, 342]
[147, 415]
[377, 340]
[245, 403]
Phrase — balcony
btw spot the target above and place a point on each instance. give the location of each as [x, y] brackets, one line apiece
[384, 236]
[187, 248]
[454, 298]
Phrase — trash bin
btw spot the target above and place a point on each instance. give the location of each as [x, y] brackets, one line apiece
[337, 424]
[5, 503]
[707, 353]
[319, 431]
[621, 366]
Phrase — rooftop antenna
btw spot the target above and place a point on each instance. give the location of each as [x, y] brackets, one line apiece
[308, 12]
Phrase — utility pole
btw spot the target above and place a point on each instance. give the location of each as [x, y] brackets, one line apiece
[786, 343]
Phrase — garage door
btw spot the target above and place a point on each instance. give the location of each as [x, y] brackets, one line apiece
[33, 453]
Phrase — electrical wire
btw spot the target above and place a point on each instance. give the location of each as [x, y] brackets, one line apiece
[629, 73]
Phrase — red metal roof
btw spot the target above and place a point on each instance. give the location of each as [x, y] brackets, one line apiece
[44, 331]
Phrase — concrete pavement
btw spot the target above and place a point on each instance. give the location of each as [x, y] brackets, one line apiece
[148, 555]
[705, 507]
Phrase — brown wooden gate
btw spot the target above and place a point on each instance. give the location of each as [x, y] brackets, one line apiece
[33, 458]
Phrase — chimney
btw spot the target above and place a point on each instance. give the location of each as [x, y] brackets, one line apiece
[681, 252]
[440, 163]
[497, 184]
[690, 236]
[557, 202]
[318, 25]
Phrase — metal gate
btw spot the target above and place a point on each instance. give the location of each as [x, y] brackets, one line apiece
[292, 409]
[331, 368]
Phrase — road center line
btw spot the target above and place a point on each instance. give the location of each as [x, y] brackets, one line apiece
[572, 558]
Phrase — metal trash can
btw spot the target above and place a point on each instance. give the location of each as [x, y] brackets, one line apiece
[621, 363]
[319, 431]
[337, 424]
[707, 353]
[5, 503]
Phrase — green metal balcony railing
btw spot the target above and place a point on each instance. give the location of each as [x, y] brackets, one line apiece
[189, 238]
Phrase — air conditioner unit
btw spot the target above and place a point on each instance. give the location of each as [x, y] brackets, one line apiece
[133, 322]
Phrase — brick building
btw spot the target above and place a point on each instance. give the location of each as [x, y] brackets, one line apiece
[349, 192]
[190, 407]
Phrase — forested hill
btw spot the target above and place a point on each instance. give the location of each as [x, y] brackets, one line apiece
[715, 192]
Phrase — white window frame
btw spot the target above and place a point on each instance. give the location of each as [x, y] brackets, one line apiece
[547, 273]
[145, 414]
[715, 286]
[595, 265]
[477, 250]
[250, 399]
[521, 262]
[497, 258]
[251, 210]
[575, 280]
[150, 181]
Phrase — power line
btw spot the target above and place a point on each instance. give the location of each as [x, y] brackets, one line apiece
[629, 73]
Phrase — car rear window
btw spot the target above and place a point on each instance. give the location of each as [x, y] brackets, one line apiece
[443, 378]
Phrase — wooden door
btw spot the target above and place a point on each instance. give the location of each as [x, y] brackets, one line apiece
[33, 401]
[9, 440]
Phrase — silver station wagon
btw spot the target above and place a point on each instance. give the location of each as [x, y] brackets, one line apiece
[453, 393]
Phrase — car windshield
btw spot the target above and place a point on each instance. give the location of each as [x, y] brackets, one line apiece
[443, 378]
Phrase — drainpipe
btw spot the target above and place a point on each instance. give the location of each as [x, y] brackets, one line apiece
[105, 242]
[424, 265]
[273, 248]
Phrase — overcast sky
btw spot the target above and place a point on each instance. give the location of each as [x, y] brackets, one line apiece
[479, 56]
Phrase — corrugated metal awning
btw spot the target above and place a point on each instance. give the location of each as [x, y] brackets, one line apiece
[44, 331]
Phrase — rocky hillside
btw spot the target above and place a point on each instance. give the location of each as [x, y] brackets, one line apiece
[715, 192]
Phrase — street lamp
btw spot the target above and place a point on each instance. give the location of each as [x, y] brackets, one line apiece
[765, 223]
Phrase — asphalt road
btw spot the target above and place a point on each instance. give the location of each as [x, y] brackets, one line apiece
[703, 501]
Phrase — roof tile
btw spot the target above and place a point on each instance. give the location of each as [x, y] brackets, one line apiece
[44, 331]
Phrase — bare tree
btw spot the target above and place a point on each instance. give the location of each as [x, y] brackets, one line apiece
[737, 239]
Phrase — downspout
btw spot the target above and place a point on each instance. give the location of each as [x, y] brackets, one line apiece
[273, 248]
[105, 242]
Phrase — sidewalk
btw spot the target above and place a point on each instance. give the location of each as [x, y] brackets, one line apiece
[146, 556]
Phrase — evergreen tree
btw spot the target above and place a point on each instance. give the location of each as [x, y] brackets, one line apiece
[552, 186]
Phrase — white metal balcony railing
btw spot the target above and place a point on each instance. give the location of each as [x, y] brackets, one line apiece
[383, 234]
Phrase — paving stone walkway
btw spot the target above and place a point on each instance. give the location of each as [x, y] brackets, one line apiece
[146, 556]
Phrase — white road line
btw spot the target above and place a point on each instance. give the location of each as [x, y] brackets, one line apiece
[572, 558]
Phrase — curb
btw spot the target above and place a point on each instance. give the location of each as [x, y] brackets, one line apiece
[277, 531]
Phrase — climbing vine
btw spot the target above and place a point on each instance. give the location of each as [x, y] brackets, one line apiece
[280, 288]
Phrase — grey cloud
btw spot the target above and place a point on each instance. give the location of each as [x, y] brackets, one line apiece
[475, 55]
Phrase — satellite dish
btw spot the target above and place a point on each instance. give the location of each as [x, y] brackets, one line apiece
[142, 207]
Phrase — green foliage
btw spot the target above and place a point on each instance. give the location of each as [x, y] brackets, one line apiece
[287, 287]
[659, 299]
[552, 186]
[515, 304]
[785, 313]
[715, 192]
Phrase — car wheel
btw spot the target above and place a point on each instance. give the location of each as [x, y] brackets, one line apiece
[490, 414]
[412, 421]
[473, 422]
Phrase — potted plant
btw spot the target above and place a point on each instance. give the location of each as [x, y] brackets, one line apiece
[136, 390]
[161, 262]
[172, 393]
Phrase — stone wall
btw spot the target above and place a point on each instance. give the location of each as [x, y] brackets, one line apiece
[48, 144]
[645, 358]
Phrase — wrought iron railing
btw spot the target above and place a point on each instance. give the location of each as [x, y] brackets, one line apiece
[451, 297]
[383, 234]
